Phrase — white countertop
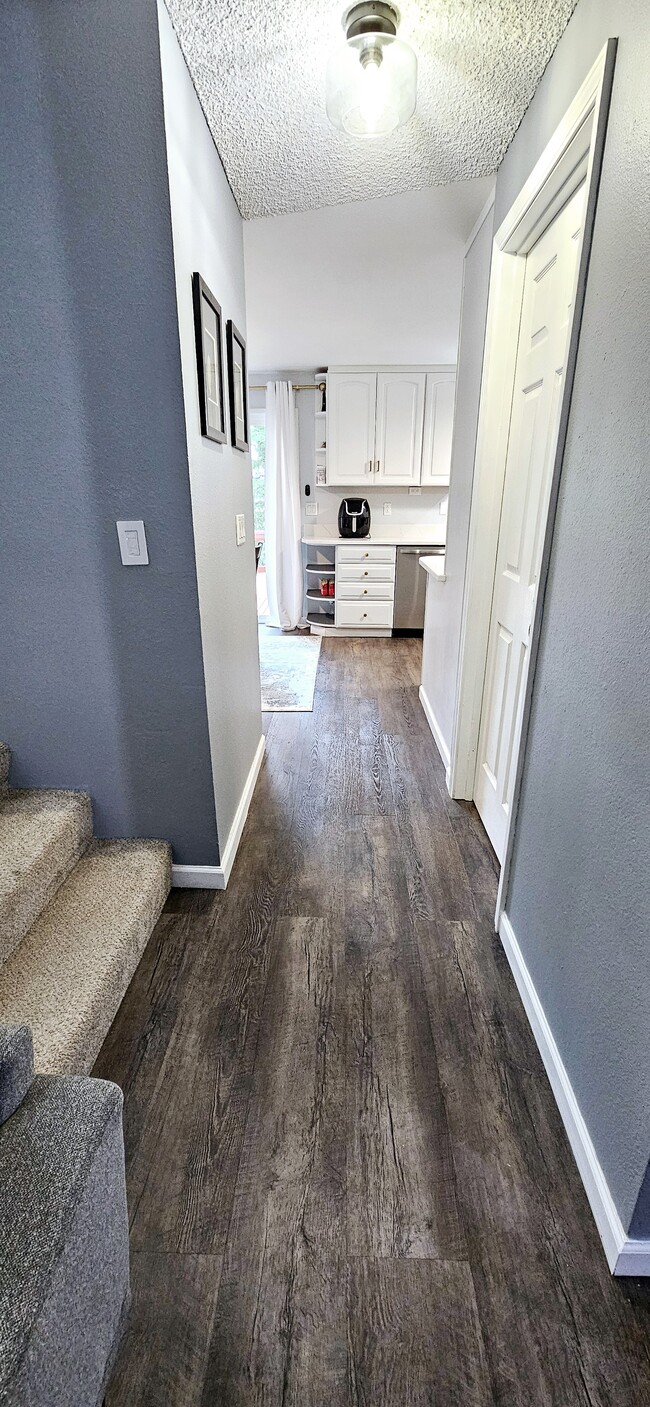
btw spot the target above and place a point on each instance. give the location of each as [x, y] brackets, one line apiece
[435, 566]
[402, 535]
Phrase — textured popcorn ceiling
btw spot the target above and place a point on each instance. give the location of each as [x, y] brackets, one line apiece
[259, 71]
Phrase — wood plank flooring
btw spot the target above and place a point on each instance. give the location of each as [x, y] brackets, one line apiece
[348, 1181]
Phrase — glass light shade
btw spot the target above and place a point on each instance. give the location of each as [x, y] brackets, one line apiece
[371, 85]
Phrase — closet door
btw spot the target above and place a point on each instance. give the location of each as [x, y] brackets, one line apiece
[400, 419]
[438, 427]
[351, 399]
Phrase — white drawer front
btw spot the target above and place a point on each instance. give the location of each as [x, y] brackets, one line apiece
[364, 613]
[365, 590]
[365, 571]
[357, 552]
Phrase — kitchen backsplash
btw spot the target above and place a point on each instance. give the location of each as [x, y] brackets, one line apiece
[428, 507]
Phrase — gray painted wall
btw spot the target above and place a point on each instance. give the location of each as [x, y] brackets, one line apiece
[579, 899]
[102, 682]
[207, 229]
[445, 599]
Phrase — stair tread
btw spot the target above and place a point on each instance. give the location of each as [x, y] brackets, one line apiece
[68, 977]
[42, 835]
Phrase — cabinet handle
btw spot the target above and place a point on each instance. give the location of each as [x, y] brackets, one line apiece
[377, 469]
[365, 590]
[365, 615]
[365, 574]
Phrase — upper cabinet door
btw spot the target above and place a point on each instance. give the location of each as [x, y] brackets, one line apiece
[438, 427]
[400, 419]
[351, 400]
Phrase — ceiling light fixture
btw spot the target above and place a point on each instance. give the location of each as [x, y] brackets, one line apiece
[371, 80]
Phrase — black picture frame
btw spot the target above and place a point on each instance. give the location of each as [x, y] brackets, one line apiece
[237, 383]
[208, 331]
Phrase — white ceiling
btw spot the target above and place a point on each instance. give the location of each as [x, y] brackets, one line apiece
[259, 70]
[374, 281]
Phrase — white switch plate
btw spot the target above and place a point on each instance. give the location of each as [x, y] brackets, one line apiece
[388, 508]
[133, 542]
[417, 489]
[311, 510]
[240, 529]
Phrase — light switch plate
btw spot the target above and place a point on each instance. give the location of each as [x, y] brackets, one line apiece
[388, 508]
[133, 542]
[240, 529]
[311, 510]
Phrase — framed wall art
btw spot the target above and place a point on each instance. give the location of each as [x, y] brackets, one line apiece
[209, 361]
[238, 386]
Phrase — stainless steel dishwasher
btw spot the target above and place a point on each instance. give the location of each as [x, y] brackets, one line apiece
[410, 587]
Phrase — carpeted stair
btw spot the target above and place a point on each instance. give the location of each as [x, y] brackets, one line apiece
[75, 916]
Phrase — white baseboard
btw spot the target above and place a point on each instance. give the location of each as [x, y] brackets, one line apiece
[435, 729]
[624, 1256]
[217, 876]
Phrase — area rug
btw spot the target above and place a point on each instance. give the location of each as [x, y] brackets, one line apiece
[288, 665]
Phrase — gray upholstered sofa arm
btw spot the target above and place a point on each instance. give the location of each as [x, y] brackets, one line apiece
[16, 1068]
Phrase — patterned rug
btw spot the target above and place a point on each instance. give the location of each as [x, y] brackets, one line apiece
[288, 665]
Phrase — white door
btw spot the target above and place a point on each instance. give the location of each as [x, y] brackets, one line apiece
[400, 419]
[351, 401]
[438, 427]
[549, 291]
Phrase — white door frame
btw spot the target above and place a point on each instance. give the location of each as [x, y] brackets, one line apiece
[574, 153]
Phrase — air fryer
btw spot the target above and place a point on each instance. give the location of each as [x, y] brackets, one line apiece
[354, 517]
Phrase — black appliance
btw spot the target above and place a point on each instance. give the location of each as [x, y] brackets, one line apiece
[354, 517]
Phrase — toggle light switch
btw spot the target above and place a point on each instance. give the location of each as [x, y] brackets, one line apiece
[133, 542]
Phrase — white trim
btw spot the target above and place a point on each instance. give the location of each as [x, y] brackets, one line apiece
[480, 221]
[435, 727]
[624, 1256]
[198, 877]
[572, 138]
[217, 876]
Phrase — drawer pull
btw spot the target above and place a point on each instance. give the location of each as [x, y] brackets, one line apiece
[365, 554]
[365, 615]
[365, 574]
[365, 590]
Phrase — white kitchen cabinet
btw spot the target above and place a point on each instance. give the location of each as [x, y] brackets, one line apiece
[438, 428]
[399, 425]
[365, 586]
[351, 406]
[389, 428]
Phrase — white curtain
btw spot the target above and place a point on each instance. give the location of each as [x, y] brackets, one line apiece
[283, 530]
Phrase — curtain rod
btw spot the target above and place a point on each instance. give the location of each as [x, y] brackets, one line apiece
[312, 386]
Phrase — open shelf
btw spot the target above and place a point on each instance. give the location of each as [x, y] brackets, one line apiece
[321, 568]
[315, 595]
[324, 622]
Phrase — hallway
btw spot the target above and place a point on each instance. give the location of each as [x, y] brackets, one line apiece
[348, 1180]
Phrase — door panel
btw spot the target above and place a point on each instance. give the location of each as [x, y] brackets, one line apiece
[351, 401]
[438, 427]
[400, 420]
[549, 289]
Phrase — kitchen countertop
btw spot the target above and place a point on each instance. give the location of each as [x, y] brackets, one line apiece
[435, 566]
[402, 535]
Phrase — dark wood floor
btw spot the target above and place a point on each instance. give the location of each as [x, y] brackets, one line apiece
[348, 1180]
